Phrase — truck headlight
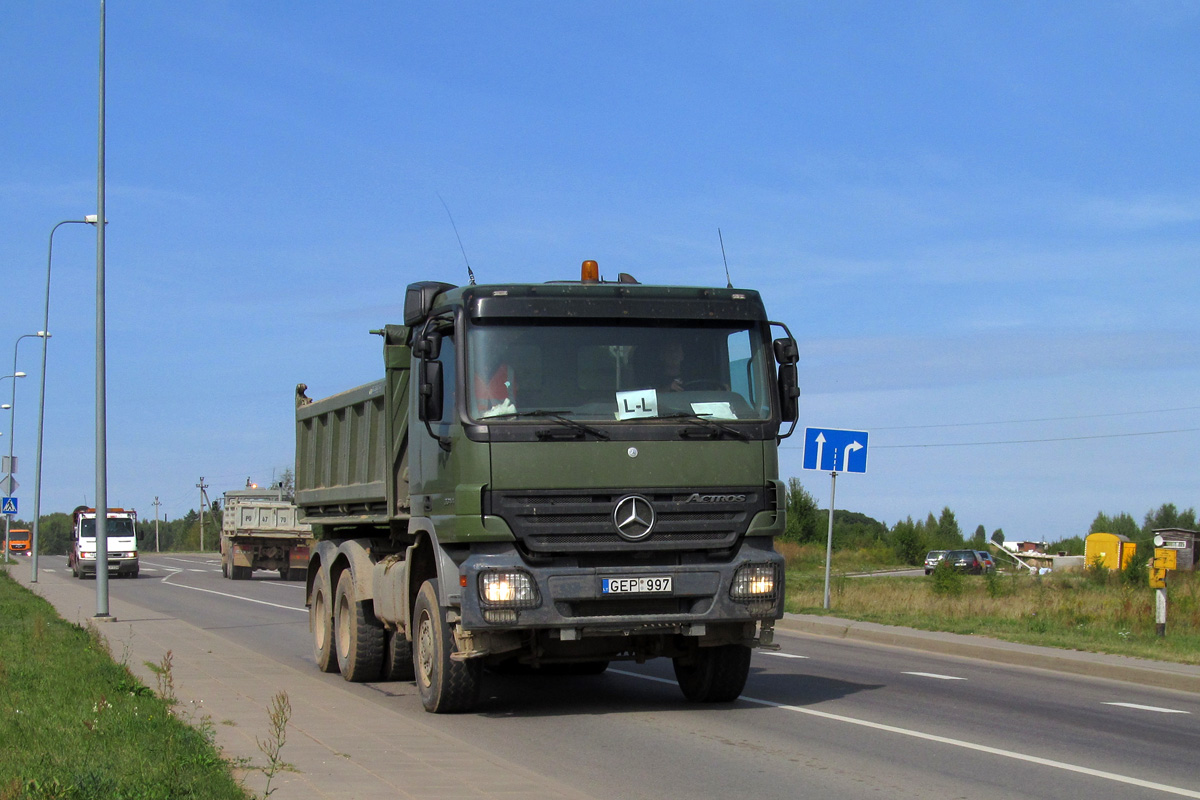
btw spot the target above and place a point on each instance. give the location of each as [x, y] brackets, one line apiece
[508, 589]
[754, 582]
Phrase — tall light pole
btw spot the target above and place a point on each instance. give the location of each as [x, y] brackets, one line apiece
[90, 219]
[11, 485]
[101, 379]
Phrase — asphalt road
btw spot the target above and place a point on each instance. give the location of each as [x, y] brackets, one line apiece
[820, 718]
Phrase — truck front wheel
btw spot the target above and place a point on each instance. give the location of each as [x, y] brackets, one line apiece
[446, 686]
[713, 674]
[359, 638]
[320, 622]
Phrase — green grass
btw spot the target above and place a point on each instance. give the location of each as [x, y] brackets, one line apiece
[76, 724]
[1072, 610]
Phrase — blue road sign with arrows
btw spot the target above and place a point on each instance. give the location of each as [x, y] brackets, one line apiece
[833, 450]
[8, 505]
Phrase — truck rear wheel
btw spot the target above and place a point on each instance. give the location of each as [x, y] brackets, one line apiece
[446, 686]
[359, 637]
[320, 622]
[713, 674]
[398, 658]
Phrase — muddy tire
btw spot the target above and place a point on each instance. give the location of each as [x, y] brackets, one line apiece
[320, 623]
[446, 686]
[357, 635]
[713, 674]
[397, 658]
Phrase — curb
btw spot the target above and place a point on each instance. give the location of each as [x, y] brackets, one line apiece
[1164, 675]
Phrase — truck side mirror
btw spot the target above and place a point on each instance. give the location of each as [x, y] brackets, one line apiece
[789, 393]
[429, 409]
[786, 351]
[428, 346]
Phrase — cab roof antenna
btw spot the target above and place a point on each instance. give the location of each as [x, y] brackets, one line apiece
[728, 281]
[470, 274]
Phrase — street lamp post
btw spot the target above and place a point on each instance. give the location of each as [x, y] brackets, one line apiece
[12, 413]
[90, 219]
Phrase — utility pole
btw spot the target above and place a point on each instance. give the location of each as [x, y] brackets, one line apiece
[208, 508]
[203, 499]
[156, 505]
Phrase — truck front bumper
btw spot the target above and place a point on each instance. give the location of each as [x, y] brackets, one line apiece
[120, 563]
[573, 600]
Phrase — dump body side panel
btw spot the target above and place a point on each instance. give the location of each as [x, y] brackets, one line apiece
[342, 464]
[352, 448]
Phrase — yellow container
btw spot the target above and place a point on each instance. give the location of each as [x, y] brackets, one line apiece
[1109, 550]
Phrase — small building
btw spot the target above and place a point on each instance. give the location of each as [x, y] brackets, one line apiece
[1109, 550]
[1184, 544]
[1025, 547]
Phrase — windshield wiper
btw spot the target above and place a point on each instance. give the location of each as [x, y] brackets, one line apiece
[711, 424]
[559, 417]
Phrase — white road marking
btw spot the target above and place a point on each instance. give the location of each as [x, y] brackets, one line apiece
[226, 594]
[781, 655]
[934, 675]
[929, 737]
[1149, 708]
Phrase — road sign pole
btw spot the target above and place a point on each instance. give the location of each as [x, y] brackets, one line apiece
[829, 538]
[1160, 612]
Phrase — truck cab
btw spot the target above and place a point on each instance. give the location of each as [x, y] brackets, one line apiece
[121, 534]
[19, 542]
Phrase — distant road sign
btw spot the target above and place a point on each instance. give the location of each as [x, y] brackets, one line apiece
[833, 450]
[8, 485]
[8, 505]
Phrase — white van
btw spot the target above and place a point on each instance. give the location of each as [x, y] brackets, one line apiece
[121, 532]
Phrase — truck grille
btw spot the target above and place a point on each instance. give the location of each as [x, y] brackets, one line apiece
[567, 522]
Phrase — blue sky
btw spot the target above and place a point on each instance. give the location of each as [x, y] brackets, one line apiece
[979, 219]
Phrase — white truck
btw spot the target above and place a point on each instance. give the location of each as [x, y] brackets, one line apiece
[121, 533]
[259, 531]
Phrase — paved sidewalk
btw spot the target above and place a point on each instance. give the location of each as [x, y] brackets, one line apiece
[342, 746]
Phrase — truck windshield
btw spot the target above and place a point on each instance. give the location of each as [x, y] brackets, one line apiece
[639, 371]
[115, 527]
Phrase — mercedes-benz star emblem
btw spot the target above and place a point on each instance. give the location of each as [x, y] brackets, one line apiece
[633, 517]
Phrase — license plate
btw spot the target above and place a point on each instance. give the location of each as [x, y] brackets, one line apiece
[635, 585]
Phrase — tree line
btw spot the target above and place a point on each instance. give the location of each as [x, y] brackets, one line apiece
[910, 540]
[180, 535]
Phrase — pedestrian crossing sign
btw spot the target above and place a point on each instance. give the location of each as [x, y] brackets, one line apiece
[8, 505]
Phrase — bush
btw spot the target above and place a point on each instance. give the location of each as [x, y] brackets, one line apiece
[1137, 569]
[946, 581]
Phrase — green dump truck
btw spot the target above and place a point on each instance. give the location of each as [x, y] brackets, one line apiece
[548, 478]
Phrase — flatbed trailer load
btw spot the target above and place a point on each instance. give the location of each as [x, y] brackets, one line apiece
[260, 531]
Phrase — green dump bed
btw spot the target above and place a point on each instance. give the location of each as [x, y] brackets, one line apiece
[352, 448]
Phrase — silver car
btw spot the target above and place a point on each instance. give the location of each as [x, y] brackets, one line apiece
[933, 558]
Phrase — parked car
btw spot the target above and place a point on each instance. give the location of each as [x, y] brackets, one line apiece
[932, 558]
[967, 561]
[989, 564]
